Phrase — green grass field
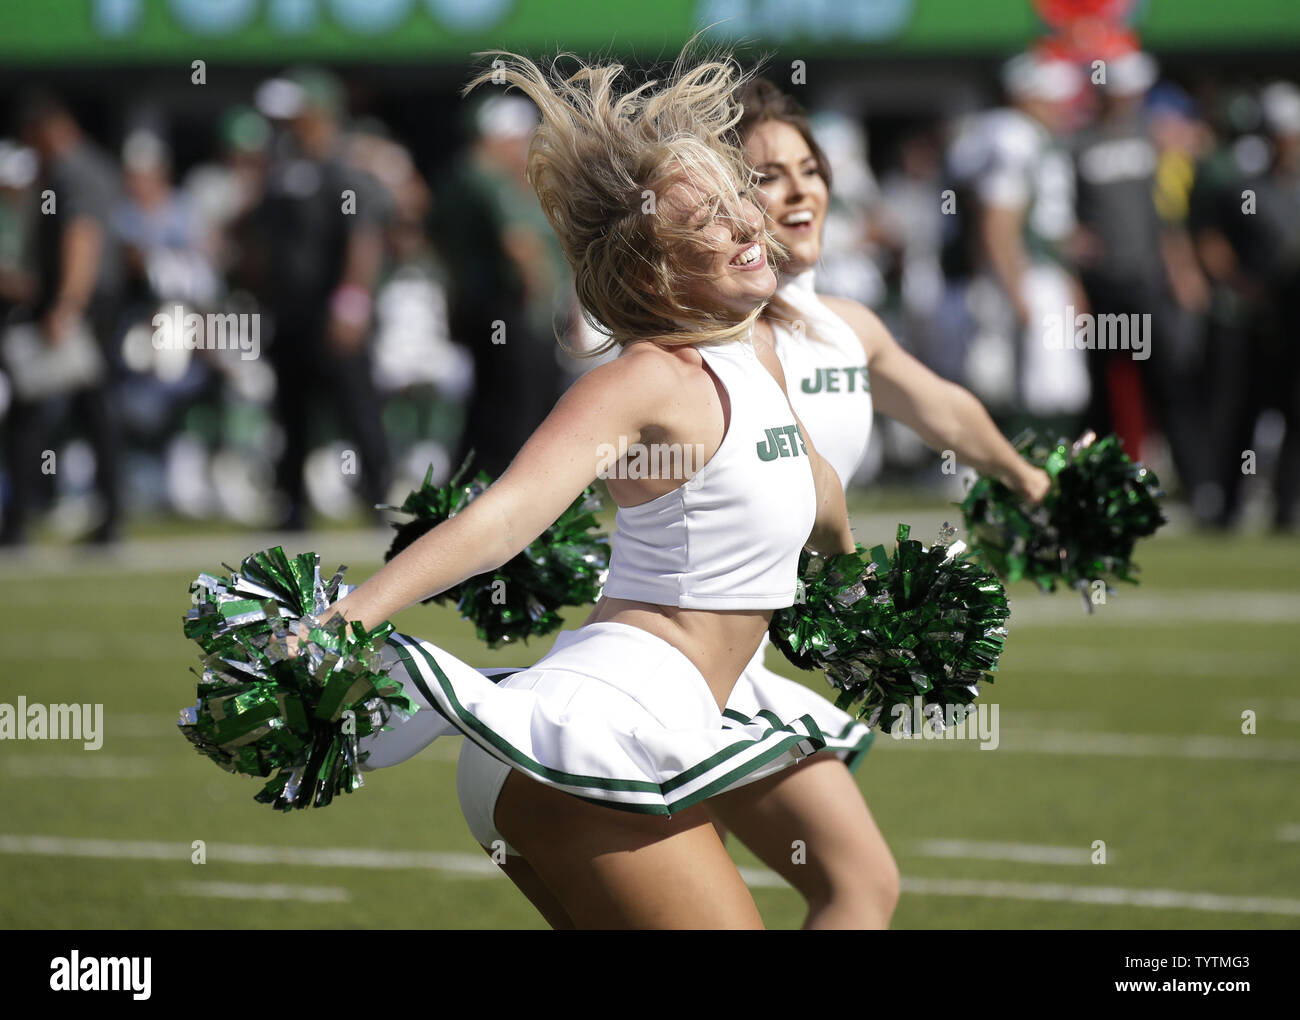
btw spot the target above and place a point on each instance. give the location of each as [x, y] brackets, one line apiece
[1124, 727]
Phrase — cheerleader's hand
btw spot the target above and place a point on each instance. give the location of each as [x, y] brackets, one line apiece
[294, 641]
[299, 629]
[1035, 484]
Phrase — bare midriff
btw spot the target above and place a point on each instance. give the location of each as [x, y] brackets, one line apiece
[719, 642]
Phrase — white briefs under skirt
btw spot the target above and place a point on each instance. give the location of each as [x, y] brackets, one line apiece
[612, 714]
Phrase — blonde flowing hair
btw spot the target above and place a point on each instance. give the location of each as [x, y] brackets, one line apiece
[600, 162]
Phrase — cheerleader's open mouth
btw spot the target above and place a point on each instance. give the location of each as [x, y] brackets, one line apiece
[798, 222]
[751, 257]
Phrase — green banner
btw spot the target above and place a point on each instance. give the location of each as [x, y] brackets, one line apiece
[278, 31]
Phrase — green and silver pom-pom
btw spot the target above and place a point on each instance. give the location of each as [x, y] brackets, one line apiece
[564, 566]
[929, 623]
[1100, 503]
[262, 711]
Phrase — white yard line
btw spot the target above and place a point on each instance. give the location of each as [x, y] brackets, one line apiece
[139, 725]
[123, 646]
[198, 552]
[1022, 853]
[59, 846]
[1019, 740]
[1147, 745]
[1101, 896]
[390, 860]
[479, 866]
[265, 892]
[83, 765]
[1142, 606]
[1100, 660]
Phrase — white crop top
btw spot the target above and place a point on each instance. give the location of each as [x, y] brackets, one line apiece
[728, 538]
[826, 374]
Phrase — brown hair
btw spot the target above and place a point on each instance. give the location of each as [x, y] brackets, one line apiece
[602, 154]
[763, 102]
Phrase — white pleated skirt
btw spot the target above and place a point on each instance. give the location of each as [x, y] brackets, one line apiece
[761, 693]
[612, 714]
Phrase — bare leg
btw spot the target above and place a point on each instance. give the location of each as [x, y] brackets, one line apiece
[520, 872]
[616, 869]
[810, 824]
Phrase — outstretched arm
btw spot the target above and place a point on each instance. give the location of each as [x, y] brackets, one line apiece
[549, 472]
[946, 416]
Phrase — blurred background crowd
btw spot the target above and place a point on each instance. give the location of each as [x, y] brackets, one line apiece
[389, 292]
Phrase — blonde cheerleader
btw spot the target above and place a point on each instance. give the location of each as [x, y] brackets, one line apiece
[592, 768]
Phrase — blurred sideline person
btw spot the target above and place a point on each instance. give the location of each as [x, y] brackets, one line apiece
[74, 305]
[1013, 162]
[911, 225]
[1280, 213]
[1183, 139]
[18, 167]
[421, 373]
[1246, 224]
[1133, 264]
[159, 232]
[507, 281]
[320, 224]
[849, 261]
[224, 192]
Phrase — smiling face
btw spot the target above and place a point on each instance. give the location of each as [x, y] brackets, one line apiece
[729, 268]
[791, 188]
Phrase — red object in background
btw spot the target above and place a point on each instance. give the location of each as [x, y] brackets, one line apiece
[1128, 410]
[1086, 30]
[1088, 40]
[1063, 13]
